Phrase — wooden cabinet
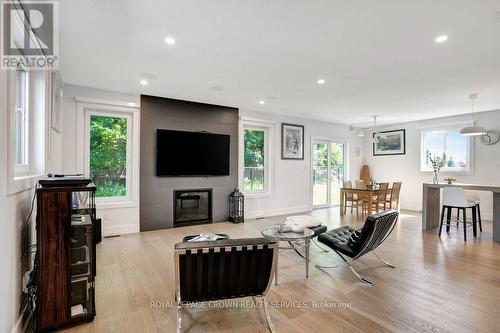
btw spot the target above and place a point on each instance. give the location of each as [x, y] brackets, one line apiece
[65, 259]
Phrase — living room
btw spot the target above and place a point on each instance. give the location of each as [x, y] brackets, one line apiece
[227, 166]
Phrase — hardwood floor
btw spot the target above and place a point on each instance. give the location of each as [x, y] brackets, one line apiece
[439, 285]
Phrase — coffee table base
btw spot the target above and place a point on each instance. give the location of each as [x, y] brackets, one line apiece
[293, 246]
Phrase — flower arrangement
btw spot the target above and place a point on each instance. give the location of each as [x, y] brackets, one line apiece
[436, 163]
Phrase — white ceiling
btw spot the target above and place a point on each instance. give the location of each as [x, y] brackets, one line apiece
[377, 56]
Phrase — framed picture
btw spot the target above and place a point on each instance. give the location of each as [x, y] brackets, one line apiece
[56, 112]
[389, 143]
[292, 142]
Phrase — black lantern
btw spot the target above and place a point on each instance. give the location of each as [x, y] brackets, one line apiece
[236, 206]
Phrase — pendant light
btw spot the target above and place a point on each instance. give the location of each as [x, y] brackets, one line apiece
[473, 130]
[375, 139]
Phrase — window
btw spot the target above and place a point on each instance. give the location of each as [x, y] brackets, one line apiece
[256, 157]
[253, 179]
[457, 148]
[21, 124]
[108, 152]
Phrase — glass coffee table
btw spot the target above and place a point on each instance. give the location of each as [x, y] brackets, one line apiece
[297, 240]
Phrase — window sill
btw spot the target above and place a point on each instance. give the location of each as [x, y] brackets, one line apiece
[115, 204]
[22, 183]
[250, 195]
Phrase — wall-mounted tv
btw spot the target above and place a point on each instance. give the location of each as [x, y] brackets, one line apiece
[180, 153]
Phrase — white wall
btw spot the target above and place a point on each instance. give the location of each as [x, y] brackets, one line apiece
[292, 179]
[406, 168]
[114, 220]
[14, 210]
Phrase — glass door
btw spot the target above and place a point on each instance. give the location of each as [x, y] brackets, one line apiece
[320, 176]
[328, 172]
[337, 171]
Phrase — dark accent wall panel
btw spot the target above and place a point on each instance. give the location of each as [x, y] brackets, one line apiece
[156, 208]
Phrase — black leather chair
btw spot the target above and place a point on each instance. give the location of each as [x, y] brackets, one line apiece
[352, 243]
[224, 269]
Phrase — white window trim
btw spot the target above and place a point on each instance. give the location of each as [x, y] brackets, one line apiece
[22, 182]
[18, 183]
[269, 140]
[89, 106]
[471, 153]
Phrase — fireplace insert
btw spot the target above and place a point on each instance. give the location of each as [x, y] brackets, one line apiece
[193, 206]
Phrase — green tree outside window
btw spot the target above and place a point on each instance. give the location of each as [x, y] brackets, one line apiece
[108, 155]
[254, 160]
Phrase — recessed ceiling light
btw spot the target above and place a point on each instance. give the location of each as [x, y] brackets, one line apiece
[144, 82]
[169, 40]
[131, 104]
[321, 81]
[262, 102]
[441, 39]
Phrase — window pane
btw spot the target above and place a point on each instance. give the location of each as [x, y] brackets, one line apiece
[320, 174]
[337, 172]
[455, 145]
[19, 138]
[456, 151]
[20, 89]
[21, 119]
[108, 155]
[433, 146]
[253, 179]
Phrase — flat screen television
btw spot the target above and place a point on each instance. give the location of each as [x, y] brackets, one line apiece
[180, 153]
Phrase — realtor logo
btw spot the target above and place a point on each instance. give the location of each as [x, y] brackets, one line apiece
[30, 35]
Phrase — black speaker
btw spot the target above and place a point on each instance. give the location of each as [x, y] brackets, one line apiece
[98, 231]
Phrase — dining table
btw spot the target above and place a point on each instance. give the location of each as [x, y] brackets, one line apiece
[366, 192]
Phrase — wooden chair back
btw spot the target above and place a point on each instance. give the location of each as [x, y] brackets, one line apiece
[382, 194]
[396, 190]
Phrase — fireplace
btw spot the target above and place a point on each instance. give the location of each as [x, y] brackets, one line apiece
[192, 207]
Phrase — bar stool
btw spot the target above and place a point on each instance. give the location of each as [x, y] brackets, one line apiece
[455, 198]
[474, 198]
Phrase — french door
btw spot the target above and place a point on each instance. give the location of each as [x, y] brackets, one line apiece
[328, 172]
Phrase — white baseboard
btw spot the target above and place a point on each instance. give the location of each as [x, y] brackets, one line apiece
[277, 211]
[18, 327]
[488, 217]
[120, 230]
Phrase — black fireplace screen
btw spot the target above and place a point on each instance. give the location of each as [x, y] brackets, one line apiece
[192, 207]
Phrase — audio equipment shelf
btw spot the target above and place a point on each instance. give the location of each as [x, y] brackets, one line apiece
[65, 260]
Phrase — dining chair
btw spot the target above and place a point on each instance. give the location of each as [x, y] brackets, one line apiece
[455, 198]
[360, 184]
[393, 196]
[349, 197]
[380, 200]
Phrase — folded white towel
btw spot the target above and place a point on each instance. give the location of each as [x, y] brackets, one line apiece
[305, 220]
